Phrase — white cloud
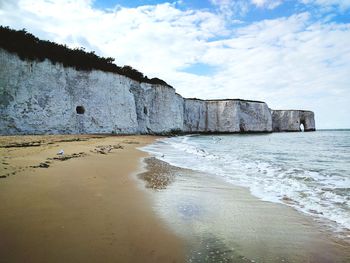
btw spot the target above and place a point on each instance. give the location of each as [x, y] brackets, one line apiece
[329, 4]
[232, 8]
[269, 4]
[288, 62]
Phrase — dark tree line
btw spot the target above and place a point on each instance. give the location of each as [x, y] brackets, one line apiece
[27, 46]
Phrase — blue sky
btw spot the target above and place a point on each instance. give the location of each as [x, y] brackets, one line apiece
[289, 53]
[194, 4]
[254, 12]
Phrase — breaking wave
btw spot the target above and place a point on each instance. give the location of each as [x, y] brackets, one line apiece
[308, 171]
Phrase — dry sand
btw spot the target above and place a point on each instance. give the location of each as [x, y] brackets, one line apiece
[84, 209]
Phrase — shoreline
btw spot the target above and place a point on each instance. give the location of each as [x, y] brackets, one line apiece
[223, 222]
[86, 208]
[270, 175]
[109, 201]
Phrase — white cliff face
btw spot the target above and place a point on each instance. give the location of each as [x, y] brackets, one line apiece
[39, 97]
[291, 120]
[226, 116]
[222, 116]
[255, 117]
[307, 118]
[159, 109]
[195, 115]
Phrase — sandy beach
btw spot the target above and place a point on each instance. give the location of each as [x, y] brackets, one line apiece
[98, 203]
[84, 209]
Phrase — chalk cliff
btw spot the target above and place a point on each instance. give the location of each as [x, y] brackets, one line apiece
[226, 116]
[291, 120]
[159, 109]
[47, 98]
[40, 97]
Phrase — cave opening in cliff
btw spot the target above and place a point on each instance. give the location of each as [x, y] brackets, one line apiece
[302, 127]
[80, 110]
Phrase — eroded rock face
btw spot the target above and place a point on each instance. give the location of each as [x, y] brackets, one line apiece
[159, 109]
[40, 97]
[44, 98]
[291, 120]
[195, 115]
[226, 116]
[255, 117]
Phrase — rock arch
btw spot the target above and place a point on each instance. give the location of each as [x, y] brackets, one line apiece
[302, 123]
[291, 120]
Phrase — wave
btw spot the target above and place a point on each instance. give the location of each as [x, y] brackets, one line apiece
[317, 190]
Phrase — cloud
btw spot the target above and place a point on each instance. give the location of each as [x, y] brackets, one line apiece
[289, 62]
[269, 4]
[230, 8]
[233, 8]
[328, 5]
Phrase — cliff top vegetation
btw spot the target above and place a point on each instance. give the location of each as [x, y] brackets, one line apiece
[29, 47]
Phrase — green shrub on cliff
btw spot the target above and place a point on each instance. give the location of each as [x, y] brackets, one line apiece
[27, 46]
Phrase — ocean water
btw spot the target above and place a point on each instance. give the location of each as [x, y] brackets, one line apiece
[308, 171]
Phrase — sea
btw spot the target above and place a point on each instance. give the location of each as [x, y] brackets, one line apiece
[309, 171]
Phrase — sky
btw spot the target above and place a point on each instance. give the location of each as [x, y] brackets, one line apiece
[292, 54]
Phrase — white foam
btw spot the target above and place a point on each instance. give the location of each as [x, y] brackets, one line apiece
[276, 179]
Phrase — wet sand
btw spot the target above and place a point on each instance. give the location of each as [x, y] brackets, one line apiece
[224, 223]
[84, 208]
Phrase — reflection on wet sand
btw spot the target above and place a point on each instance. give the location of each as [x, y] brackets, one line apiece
[224, 223]
[209, 248]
